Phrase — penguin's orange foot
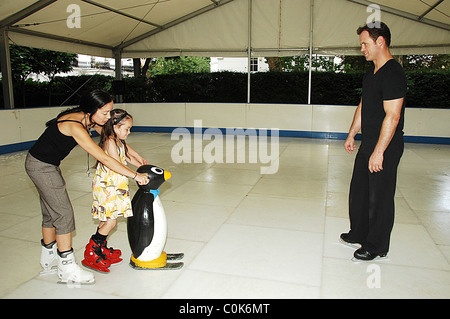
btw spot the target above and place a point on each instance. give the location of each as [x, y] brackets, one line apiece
[159, 263]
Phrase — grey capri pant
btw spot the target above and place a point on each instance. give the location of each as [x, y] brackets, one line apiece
[57, 211]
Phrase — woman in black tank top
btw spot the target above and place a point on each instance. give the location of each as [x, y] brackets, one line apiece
[63, 133]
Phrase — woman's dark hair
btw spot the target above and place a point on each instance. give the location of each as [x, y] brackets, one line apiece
[118, 117]
[89, 103]
[377, 29]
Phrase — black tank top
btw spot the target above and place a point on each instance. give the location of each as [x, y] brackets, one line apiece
[53, 146]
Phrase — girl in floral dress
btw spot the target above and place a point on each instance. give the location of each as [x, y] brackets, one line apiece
[110, 191]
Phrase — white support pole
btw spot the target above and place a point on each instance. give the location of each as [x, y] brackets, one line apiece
[311, 31]
[118, 71]
[249, 48]
[8, 93]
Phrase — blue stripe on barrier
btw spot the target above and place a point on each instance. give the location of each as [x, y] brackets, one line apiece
[15, 147]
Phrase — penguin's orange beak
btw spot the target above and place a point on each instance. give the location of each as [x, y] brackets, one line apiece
[167, 175]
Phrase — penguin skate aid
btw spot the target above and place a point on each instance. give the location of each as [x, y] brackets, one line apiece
[147, 228]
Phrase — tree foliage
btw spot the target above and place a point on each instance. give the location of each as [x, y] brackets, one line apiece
[300, 63]
[171, 65]
[188, 79]
[348, 64]
[27, 60]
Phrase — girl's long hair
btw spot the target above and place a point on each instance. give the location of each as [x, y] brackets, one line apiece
[89, 104]
[118, 117]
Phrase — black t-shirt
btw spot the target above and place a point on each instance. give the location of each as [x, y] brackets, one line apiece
[389, 83]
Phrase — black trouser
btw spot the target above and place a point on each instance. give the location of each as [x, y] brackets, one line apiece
[371, 198]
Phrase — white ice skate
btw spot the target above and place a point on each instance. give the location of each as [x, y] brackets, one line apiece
[49, 258]
[70, 273]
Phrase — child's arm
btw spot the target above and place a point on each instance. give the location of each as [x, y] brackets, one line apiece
[111, 148]
[133, 161]
[134, 158]
[81, 136]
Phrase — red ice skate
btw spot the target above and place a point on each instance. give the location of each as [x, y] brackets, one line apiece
[94, 257]
[113, 255]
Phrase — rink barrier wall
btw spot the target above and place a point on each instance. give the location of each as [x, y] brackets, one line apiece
[21, 127]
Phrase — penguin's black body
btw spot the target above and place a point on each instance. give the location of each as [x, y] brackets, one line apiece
[147, 228]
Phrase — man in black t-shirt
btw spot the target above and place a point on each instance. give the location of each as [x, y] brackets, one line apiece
[380, 117]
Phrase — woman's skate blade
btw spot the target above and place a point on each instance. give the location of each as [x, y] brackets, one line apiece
[46, 272]
[74, 284]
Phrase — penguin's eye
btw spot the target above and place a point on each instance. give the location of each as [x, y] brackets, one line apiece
[157, 170]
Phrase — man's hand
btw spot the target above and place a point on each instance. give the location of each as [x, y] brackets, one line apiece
[376, 162]
[350, 145]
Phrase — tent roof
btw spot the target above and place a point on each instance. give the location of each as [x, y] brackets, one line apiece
[145, 28]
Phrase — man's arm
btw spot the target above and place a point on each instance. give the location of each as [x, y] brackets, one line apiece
[354, 129]
[393, 109]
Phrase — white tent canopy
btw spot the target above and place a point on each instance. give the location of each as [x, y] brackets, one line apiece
[144, 28]
[150, 28]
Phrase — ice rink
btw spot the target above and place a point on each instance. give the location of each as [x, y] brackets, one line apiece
[245, 234]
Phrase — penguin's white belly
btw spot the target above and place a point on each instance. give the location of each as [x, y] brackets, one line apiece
[156, 247]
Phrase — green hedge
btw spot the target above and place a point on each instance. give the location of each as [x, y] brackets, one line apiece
[424, 89]
[428, 90]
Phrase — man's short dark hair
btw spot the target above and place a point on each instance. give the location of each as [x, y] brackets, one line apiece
[375, 30]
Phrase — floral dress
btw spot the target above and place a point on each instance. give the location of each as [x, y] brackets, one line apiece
[110, 192]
